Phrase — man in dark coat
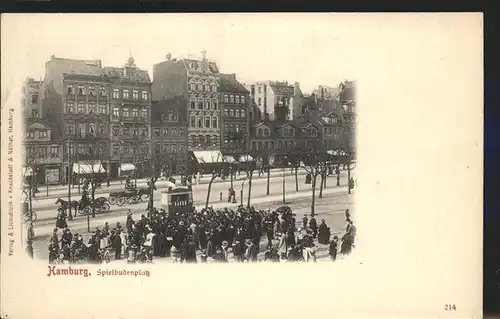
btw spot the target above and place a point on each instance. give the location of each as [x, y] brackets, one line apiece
[117, 245]
[323, 233]
[238, 251]
[93, 248]
[314, 226]
[332, 251]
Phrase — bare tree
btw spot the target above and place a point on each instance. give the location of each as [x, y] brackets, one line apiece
[218, 166]
[249, 164]
[313, 164]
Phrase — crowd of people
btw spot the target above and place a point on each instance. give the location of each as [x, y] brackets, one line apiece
[215, 233]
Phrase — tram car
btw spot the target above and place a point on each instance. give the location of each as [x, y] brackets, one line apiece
[177, 200]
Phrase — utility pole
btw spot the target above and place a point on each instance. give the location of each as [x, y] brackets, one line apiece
[70, 180]
[349, 174]
[284, 188]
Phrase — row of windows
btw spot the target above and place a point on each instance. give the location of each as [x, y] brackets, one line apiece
[237, 99]
[130, 94]
[234, 113]
[259, 88]
[170, 117]
[90, 108]
[173, 131]
[259, 101]
[202, 87]
[126, 112]
[83, 89]
[311, 131]
[86, 129]
[43, 151]
[331, 131]
[128, 150]
[41, 134]
[236, 128]
[204, 140]
[203, 104]
[203, 121]
[272, 145]
[88, 149]
[166, 148]
[125, 131]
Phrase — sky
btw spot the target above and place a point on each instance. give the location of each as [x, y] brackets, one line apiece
[312, 49]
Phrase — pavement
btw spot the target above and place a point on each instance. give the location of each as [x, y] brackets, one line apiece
[46, 208]
[331, 208]
[56, 191]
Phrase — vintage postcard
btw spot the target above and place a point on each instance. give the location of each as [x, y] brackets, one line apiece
[241, 165]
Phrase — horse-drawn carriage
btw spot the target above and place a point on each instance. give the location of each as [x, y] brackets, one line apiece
[100, 205]
[130, 195]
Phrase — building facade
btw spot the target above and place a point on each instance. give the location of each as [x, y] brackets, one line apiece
[324, 92]
[31, 99]
[43, 152]
[130, 117]
[282, 138]
[102, 114]
[197, 80]
[277, 101]
[169, 131]
[235, 120]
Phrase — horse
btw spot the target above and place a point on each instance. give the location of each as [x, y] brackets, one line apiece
[65, 204]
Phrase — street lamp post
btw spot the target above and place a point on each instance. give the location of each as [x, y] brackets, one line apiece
[70, 180]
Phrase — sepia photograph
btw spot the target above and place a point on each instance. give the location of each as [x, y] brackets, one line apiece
[155, 164]
[186, 163]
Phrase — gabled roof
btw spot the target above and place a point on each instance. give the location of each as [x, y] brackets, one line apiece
[281, 88]
[212, 66]
[229, 83]
[37, 124]
[72, 66]
[139, 75]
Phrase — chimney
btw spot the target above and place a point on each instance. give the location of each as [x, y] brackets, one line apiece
[98, 62]
[52, 57]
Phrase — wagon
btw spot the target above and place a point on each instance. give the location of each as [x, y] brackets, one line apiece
[128, 196]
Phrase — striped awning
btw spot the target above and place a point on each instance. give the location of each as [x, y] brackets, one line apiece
[246, 158]
[88, 168]
[127, 167]
[208, 157]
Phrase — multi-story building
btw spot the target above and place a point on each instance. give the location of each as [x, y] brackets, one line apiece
[324, 92]
[277, 101]
[169, 131]
[30, 102]
[43, 156]
[130, 117]
[235, 121]
[281, 138]
[198, 81]
[347, 111]
[74, 96]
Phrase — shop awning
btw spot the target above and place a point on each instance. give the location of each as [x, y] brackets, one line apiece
[230, 159]
[336, 152]
[27, 171]
[127, 167]
[208, 157]
[88, 168]
[246, 158]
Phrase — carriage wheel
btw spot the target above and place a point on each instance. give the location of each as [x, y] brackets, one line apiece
[112, 200]
[144, 197]
[132, 200]
[120, 201]
[105, 207]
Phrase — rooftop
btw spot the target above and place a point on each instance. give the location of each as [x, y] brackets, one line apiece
[229, 83]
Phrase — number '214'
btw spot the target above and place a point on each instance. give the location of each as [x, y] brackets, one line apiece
[450, 307]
